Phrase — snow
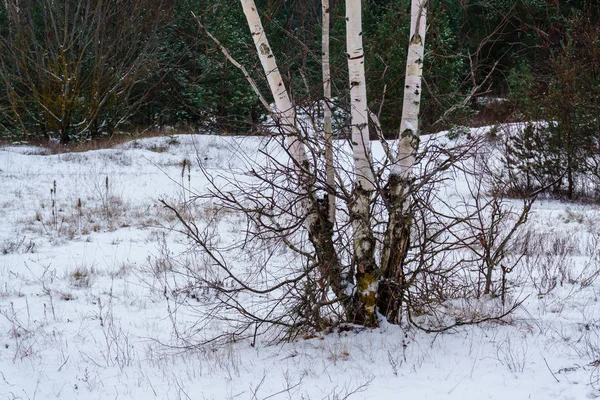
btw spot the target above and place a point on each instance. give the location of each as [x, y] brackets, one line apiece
[84, 313]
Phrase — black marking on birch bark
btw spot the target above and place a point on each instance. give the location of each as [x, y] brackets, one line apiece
[416, 39]
[264, 49]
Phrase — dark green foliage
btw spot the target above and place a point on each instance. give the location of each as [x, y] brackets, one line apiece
[562, 151]
[532, 161]
[195, 86]
[474, 49]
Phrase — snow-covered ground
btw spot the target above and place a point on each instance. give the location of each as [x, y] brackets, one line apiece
[84, 311]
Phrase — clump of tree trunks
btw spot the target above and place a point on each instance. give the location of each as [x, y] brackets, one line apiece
[378, 241]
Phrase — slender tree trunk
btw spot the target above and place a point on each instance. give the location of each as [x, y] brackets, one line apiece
[317, 221]
[278, 89]
[364, 242]
[397, 236]
[327, 125]
[409, 125]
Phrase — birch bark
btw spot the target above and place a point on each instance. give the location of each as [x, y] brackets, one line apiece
[364, 242]
[409, 125]
[358, 95]
[327, 125]
[396, 240]
[276, 85]
[316, 221]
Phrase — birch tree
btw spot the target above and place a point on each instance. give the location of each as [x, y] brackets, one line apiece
[327, 124]
[364, 241]
[317, 220]
[397, 235]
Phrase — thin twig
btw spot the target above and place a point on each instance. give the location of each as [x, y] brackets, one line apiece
[550, 369]
[236, 64]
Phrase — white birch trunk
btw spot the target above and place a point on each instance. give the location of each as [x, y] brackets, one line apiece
[327, 125]
[396, 240]
[358, 95]
[285, 108]
[364, 243]
[321, 237]
[409, 125]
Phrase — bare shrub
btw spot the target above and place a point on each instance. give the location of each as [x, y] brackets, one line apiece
[81, 277]
[271, 276]
[18, 245]
[513, 356]
[21, 333]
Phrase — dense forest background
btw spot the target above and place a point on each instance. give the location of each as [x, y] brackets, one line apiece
[82, 69]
